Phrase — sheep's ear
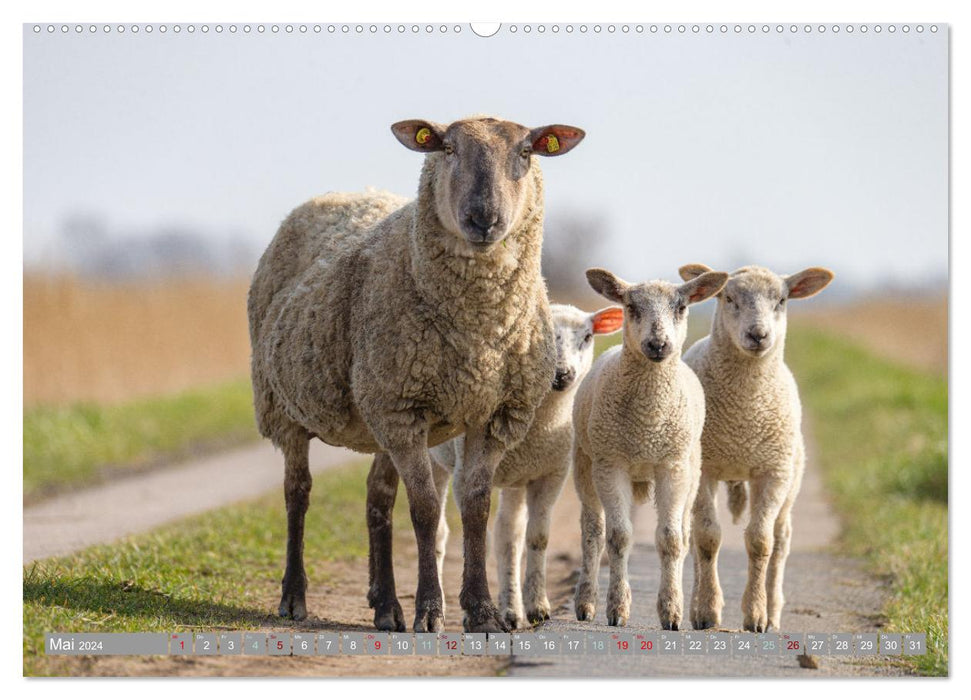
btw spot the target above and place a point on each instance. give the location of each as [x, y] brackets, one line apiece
[692, 270]
[419, 135]
[607, 284]
[609, 320]
[555, 139]
[703, 286]
[810, 281]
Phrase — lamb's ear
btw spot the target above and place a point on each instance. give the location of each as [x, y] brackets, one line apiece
[419, 135]
[609, 320]
[607, 284]
[692, 270]
[810, 281]
[703, 286]
[555, 139]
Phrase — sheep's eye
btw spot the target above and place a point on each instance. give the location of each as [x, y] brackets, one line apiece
[729, 300]
[526, 152]
[781, 305]
[681, 309]
[587, 338]
[449, 149]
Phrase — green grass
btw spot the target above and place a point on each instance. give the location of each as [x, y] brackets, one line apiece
[880, 432]
[68, 446]
[208, 572]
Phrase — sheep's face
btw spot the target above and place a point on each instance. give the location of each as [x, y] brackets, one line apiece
[481, 188]
[575, 330]
[655, 313]
[752, 307]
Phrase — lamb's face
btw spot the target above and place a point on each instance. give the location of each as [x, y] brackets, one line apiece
[575, 330]
[655, 313]
[752, 310]
[752, 306]
[481, 188]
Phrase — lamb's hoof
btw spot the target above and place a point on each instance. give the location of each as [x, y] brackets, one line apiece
[755, 626]
[513, 619]
[538, 613]
[586, 612]
[616, 619]
[294, 606]
[704, 624]
[389, 617]
[429, 617]
[483, 617]
[671, 625]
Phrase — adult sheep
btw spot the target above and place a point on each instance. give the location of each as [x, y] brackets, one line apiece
[388, 327]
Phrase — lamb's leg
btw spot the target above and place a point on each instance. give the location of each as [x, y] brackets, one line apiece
[382, 489]
[616, 493]
[591, 537]
[541, 495]
[414, 466]
[509, 531]
[441, 476]
[767, 494]
[707, 600]
[473, 489]
[777, 562]
[296, 486]
[672, 491]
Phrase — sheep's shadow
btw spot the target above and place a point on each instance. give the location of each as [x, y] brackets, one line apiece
[124, 599]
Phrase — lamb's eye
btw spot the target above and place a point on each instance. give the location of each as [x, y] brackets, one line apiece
[449, 149]
[781, 305]
[681, 309]
[587, 338]
[729, 300]
[526, 152]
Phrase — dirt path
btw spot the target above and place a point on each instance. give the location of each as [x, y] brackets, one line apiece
[137, 503]
[825, 593]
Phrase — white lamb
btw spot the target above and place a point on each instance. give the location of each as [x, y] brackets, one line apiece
[637, 420]
[531, 475]
[752, 434]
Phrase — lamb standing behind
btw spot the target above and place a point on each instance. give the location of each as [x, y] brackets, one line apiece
[531, 475]
[752, 434]
[637, 421]
[389, 328]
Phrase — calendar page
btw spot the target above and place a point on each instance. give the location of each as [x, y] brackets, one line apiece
[423, 348]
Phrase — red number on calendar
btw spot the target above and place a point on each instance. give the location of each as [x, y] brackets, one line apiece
[182, 644]
[646, 645]
[622, 644]
[451, 645]
[279, 644]
[377, 644]
[792, 645]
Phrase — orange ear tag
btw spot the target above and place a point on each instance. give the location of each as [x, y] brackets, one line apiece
[422, 135]
[552, 144]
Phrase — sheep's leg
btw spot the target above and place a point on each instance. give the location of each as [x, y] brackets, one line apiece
[509, 531]
[780, 553]
[541, 495]
[673, 489]
[442, 476]
[591, 537]
[296, 487]
[768, 495]
[473, 489]
[415, 469]
[616, 493]
[707, 600]
[382, 490]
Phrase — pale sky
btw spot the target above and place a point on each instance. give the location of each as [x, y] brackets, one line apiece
[783, 149]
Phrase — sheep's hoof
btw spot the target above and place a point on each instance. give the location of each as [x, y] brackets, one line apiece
[753, 626]
[389, 617]
[293, 606]
[483, 617]
[671, 625]
[429, 617]
[585, 612]
[616, 619]
[513, 619]
[704, 624]
[539, 613]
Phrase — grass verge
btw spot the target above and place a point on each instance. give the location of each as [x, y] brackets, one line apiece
[67, 446]
[210, 572]
[881, 439]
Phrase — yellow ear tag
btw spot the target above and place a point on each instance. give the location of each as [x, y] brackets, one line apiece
[552, 144]
[423, 134]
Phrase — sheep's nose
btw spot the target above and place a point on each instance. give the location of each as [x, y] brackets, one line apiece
[563, 379]
[757, 335]
[481, 220]
[656, 349]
